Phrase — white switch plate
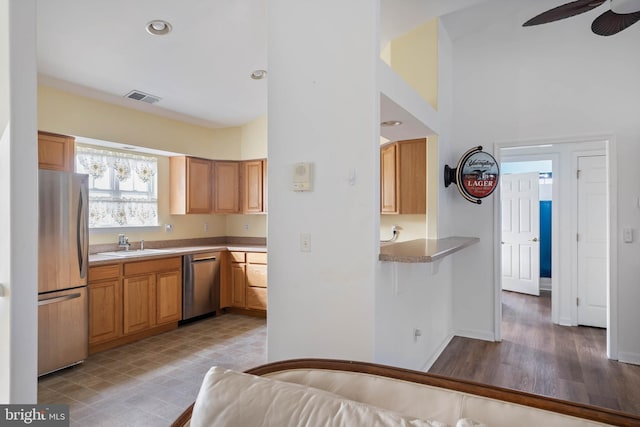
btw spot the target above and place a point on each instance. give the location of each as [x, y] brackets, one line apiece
[305, 242]
[627, 234]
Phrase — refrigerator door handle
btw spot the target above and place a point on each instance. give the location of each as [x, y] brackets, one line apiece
[81, 235]
[55, 300]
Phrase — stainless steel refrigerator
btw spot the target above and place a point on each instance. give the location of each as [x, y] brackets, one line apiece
[63, 247]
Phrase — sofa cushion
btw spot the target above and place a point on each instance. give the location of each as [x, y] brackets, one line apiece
[229, 398]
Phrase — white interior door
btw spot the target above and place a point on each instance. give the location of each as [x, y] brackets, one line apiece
[592, 241]
[520, 200]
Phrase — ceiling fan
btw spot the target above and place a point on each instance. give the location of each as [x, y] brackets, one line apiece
[621, 15]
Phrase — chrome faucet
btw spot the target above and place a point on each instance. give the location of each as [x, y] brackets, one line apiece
[123, 242]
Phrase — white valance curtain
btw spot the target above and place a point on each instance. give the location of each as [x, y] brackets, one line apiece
[122, 187]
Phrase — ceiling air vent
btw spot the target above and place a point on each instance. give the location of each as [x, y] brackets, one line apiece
[141, 96]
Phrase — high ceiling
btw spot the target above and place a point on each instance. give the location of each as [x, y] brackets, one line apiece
[201, 70]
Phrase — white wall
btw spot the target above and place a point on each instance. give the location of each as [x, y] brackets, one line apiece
[323, 108]
[516, 84]
[18, 215]
[419, 296]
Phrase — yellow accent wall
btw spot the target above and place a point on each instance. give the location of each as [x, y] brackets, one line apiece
[71, 114]
[253, 139]
[414, 56]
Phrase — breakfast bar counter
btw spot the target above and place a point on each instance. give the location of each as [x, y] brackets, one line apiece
[424, 250]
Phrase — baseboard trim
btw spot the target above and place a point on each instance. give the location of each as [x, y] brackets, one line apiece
[627, 357]
[436, 354]
[475, 334]
[565, 321]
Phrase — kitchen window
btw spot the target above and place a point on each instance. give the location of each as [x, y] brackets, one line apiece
[123, 189]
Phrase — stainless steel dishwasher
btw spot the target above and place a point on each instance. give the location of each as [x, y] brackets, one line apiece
[201, 284]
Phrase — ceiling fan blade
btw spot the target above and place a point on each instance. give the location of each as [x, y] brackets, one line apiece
[610, 23]
[565, 11]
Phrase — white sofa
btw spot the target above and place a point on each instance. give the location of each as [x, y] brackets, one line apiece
[310, 392]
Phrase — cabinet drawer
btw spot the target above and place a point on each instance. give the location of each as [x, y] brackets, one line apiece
[257, 257]
[256, 298]
[102, 272]
[153, 266]
[237, 256]
[256, 275]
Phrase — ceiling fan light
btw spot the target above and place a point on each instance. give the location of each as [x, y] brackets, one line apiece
[625, 6]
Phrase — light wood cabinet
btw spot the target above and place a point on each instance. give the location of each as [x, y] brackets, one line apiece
[132, 300]
[191, 185]
[138, 303]
[56, 152]
[238, 285]
[226, 187]
[254, 186]
[246, 280]
[168, 297]
[105, 303]
[403, 177]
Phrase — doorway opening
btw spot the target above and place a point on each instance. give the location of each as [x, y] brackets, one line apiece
[561, 242]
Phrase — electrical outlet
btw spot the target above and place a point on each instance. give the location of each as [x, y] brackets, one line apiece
[246, 226]
[305, 242]
[206, 226]
[168, 228]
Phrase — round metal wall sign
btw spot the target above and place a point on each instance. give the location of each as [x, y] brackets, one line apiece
[476, 176]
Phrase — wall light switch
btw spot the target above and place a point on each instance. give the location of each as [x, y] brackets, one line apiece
[627, 234]
[305, 242]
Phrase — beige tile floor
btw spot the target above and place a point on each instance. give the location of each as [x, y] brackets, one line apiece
[150, 382]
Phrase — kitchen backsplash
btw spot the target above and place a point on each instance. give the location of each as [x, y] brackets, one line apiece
[410, 227]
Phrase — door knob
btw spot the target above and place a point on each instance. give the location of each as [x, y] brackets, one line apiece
[535, 239]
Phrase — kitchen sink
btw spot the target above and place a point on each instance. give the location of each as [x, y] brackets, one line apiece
[136, 252]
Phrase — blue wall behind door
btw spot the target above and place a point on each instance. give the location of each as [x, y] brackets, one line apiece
[545, 238]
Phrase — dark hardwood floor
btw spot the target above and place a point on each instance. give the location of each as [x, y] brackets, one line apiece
[539, 357]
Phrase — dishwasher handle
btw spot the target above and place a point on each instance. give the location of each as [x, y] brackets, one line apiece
[195, 258]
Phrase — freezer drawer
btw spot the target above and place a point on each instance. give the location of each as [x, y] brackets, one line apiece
[63, 330]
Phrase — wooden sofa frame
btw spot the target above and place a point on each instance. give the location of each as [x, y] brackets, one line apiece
[580, 410]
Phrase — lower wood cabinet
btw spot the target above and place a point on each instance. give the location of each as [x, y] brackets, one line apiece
[139, 302]
[244, 278]
[132, 300]
[105, 303]
[168, 297]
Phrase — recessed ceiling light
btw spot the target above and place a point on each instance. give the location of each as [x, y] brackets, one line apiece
[158, 27]
[390, 123]
[259, 74]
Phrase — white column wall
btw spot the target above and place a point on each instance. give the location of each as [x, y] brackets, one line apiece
[18, 213]
[552, 81]
[323, 109]
[419, 296]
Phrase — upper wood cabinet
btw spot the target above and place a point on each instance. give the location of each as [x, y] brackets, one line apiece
[201, 186]
[191, 185]
[403, 177]
[226, 187]
[56, 151]
[254, 186]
